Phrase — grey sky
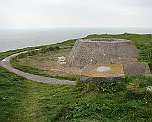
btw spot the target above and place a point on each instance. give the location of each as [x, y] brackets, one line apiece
[75, 13]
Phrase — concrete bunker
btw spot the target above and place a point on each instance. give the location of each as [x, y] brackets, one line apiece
[102, 51]
[106, 58]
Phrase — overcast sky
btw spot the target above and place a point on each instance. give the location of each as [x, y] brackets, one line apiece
[75, 13]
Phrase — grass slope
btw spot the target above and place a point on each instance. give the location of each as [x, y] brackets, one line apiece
[22, 100]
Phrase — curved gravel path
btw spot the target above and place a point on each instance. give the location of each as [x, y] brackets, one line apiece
[6, 64]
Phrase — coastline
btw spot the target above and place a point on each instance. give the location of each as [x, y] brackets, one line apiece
[22, 38]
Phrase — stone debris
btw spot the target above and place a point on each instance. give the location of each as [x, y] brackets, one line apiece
[61, 60]
[3, 60]
[136, 68]
[149, 88]
[55, 70]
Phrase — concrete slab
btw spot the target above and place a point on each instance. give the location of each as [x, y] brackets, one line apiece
[102, 72]
[111, 72]
[136, 68]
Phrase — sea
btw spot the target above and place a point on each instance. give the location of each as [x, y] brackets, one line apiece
[11, 39]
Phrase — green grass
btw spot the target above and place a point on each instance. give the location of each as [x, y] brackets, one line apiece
[44, 50]
[22, 100]
[26, 101]
[40, 64]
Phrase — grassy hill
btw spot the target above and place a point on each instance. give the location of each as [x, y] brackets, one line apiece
[125, 101]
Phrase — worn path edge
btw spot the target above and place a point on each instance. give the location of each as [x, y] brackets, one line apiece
[6, 64]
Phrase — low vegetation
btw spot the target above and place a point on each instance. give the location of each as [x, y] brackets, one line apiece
[45, 64]
[22, 100]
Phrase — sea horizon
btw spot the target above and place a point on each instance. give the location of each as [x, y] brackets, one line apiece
[11, 39]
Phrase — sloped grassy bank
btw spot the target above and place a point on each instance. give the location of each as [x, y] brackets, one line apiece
[27, 101]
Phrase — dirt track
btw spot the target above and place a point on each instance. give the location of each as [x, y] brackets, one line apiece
[6, 64]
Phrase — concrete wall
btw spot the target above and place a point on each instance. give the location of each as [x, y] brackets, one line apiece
[101, 51]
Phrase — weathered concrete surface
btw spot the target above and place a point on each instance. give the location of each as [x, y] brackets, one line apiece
[100, 51]
[112, 72]
[136, 68]
[98, 72]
